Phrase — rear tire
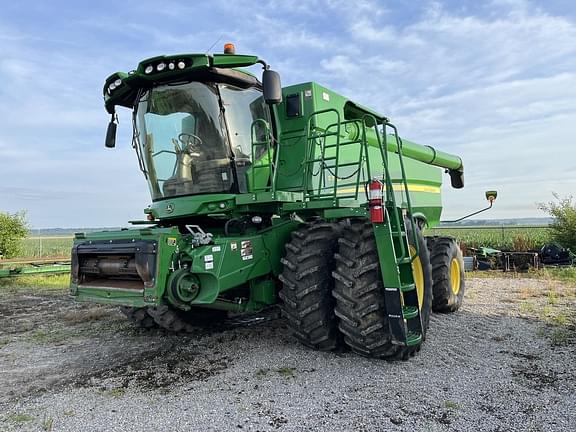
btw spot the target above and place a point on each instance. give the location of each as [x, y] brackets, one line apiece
[359, 292]
[307, 302]
[447, 274]
[180, 321]
[139, 317]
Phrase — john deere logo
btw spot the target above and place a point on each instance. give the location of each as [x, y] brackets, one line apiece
[169, 208]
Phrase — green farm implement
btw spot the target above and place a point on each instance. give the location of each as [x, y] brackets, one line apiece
[263, 195]
[13, 268]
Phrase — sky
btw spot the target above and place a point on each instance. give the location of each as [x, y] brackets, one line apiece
[491, 81]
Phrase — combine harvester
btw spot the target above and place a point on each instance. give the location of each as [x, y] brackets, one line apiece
[263, 195]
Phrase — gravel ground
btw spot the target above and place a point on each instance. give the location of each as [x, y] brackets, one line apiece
[496, 365]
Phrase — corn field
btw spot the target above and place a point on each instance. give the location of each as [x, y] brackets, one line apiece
[513, 238]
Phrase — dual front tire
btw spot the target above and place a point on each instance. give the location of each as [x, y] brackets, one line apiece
[341, 299]
[334, 302]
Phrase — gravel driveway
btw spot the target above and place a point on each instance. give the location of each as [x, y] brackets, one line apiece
[506, 361]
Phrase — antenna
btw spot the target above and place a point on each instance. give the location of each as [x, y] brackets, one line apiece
[215, 42]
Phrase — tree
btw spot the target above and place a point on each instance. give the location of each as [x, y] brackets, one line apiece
[563, 228]
[13, 228]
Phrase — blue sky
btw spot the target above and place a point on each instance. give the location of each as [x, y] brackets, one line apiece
[492, 81]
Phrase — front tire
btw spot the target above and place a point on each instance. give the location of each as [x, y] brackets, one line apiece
[447, 274]
[359, 292]
[139, 317]
[180, 321]
[307, 302]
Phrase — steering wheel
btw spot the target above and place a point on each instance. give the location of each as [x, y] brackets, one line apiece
[190, 141]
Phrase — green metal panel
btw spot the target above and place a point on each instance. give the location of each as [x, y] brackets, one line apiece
[192, 205]
[225, 264]
[32, 270]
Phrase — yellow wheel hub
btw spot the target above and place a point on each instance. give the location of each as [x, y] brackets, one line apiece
[418, 274]
[455, 280]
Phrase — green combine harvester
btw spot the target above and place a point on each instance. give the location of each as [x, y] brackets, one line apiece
[263, 195]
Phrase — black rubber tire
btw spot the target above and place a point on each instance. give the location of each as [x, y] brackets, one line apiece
[139, 317]
[443, 251]
[307, 283]
[360, 302]
[180, 321]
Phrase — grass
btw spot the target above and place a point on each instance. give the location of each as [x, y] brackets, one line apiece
[19, 418]
[84, 316]
[48, 424]
[285, 372]
[553, 304]
[57, 283]
[560, 337]
[116, 392]
[48, 337]
[566, 274]
[451, 405]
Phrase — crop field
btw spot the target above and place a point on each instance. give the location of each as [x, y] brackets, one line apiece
[39, 247]
[516, 238]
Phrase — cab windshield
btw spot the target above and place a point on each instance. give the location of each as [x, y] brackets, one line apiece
[182, 139]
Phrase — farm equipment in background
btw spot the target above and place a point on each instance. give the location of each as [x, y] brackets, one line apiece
[554, 254]
[550, 255]
[263, 195]
[13, 268]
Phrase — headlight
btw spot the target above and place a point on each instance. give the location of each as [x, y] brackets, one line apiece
[148, 69]
[160, 67]
[181, 65]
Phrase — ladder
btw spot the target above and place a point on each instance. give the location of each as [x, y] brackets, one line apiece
[395, 252]
[397, 255]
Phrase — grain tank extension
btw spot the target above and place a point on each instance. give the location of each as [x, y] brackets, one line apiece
[262, 196]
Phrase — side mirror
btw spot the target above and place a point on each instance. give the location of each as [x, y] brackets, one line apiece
[456, 178]
[272, 87]
[111, 134]
[491, 196]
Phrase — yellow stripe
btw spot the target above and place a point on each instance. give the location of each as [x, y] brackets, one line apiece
[399, 188]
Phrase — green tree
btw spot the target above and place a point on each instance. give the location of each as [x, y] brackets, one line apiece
[13, 228]
[563, 229]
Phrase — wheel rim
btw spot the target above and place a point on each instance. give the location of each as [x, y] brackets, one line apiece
[455, 276]
[418, 275]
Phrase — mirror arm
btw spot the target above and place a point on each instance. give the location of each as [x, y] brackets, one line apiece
[264, 64]
[471, 214]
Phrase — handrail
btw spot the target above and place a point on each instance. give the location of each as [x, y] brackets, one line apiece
[255, 143]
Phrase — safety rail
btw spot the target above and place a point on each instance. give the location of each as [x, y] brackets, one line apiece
[390, 195]
[323, 157]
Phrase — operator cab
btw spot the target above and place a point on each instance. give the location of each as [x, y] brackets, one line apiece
[195, 137]
[195, 117]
